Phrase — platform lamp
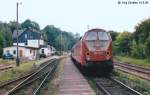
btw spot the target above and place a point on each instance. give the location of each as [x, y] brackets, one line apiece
[17, 59]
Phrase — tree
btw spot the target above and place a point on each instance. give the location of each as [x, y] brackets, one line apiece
[50, 33]
[113, 35]
[122, 43]
[13, 26]
[1, 43]
[137, 50]
[142, 31]
[54, 36]
[142, 40]
[7, 34]
[30, 24]
[147, 47]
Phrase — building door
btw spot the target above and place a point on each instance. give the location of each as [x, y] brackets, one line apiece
[20, 53]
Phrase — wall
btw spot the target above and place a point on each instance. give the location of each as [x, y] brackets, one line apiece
[27, 53]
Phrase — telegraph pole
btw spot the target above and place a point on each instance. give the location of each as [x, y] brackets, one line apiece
[61, 43]
[17, 59]
[88, 27]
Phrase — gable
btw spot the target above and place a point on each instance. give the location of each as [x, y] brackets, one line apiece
[27, 34]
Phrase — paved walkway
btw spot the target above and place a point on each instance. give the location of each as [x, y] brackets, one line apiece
[73, 83]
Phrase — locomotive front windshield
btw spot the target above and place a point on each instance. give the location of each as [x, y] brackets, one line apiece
[103, 40]
[91, 39]
[91, 36]
[103, 36]
[97, 39]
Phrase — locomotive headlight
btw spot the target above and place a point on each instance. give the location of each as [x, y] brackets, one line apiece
[107, 55]
[88, 55]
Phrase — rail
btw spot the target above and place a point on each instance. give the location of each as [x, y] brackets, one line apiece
[111, 86]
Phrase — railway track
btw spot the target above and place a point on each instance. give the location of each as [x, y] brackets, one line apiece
[111, 86]
[33, 84]
[14, 86]
[5, 67]
[133, 69]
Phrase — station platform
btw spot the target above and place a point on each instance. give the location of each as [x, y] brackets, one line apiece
[73, 82]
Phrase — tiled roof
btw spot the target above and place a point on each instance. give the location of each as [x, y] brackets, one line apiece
[19, 33]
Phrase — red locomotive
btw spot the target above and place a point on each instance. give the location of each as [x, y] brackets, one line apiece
[94, 50]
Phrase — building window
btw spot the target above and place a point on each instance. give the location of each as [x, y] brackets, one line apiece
[25, 36]
[34, 53]
[30, 51]
[42, 51]
[14, 52]
[26, 43]
[7, 52]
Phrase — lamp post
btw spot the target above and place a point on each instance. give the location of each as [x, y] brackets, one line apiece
[17, 59]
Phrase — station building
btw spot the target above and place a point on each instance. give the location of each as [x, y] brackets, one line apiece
[30, 45]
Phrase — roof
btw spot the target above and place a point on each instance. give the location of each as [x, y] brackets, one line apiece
[19, 33]
[19, 47]
[96, 30]
[22, 31]
[43, 46]
[13, 47]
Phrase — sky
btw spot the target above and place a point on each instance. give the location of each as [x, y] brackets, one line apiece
[75, 15]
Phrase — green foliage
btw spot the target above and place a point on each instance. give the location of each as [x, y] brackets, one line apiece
[30, 24]
[13, 26]
[147, 47]
[137, 50]
[136, 44]
[142, 31]
[1, 44]
[135, 82]
[122, 43]
[142, 39]
[6, 33]
[50, 33]
[131, 60]
[54, 38]
[113, 35]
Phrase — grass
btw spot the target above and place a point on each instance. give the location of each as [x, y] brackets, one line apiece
[16, 71]
[140, 62]
[134, 82]
[56, 81]
[2, 61]
[24, 68]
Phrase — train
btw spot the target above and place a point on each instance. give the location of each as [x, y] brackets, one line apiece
[94, 50]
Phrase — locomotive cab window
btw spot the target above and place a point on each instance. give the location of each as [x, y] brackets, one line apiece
[103, 40]
[103, 36]
[91, 39]
[91, 36]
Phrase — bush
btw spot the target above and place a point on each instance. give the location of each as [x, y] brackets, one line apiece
[1, 52]
[147, 47]
[137, 50]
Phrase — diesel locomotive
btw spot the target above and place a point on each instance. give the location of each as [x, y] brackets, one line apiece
[94, 50]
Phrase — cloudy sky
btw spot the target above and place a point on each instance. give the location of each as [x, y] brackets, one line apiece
[75, 15]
